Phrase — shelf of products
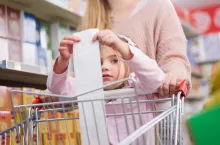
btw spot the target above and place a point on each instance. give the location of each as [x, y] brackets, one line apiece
[45, 10]
[197, 74]
[195, 97]
[14, 74]
[208, 62]
[52, 13]
[189, 30]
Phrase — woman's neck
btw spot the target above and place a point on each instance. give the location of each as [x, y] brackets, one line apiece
[116, 5]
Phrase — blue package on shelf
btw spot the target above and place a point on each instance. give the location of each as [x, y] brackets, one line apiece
[42, 56]
[38, 41]
[29, 27]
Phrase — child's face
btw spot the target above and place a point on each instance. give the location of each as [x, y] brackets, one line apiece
[113, 68]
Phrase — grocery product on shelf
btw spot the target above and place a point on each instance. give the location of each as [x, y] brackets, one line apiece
[14, 24]
[3, 21]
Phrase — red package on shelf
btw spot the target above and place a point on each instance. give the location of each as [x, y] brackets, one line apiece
[14, 24]
[15, 51]
[3, 21]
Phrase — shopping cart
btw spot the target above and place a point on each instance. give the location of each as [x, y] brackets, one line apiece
[58, 122]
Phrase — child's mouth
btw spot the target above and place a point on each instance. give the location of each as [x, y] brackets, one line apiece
[106, 77]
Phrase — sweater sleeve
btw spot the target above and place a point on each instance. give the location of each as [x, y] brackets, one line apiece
[146, 74]
[61, 84]
[171, 46]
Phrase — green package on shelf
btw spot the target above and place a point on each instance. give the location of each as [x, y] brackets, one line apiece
[205, 127]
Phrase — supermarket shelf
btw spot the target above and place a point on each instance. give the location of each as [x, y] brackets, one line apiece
[195, 97]
[53, 13]
[45, 10]
[189, 30]
[15, 74]
[197, 75]
[208, 62]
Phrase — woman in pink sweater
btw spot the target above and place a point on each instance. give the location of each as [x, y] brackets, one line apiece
[119, 59]
[154, 27]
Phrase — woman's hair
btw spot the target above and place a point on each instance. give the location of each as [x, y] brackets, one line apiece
[96, 16]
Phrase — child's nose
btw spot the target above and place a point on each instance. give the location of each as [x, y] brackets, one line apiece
[104, 66]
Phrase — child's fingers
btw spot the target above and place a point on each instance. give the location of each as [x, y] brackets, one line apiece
[160, 91]
[100, 35]
[63, 48]
[108, 40]
[66, 43]
[104, 39]
[72, 38]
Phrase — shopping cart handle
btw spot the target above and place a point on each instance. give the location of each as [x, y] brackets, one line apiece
[183, 88]
[37, 101]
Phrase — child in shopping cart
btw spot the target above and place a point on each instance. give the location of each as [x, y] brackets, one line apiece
[120, 58]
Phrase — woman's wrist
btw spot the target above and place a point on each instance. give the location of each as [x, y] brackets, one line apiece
[60, 65]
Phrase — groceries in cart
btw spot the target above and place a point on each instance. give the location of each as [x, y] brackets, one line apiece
[205, 127]
[109, 101]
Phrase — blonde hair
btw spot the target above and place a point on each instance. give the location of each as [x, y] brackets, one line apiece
[126, 67]
[97, 15]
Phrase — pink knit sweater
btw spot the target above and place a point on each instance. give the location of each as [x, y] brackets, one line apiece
[156, 29]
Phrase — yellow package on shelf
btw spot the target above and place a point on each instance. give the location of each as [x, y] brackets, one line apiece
[28, 98]
[15, 140]
[44, 125]
[49, 139]
[74, 139]
[65, 126]
[74, 115]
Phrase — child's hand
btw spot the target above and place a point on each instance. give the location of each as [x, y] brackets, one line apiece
[110, 39]
[66, 47]
[66, 51]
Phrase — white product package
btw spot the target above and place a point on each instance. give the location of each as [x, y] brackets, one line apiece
[88, 76]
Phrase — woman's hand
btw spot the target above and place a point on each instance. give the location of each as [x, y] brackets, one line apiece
[66, 51]
[110, 39]
[171, 84]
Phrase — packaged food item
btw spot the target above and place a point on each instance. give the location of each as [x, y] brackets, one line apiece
[76, 122]
[3, 21]
[29, 27]
[14, 24]
[14, 50]
[49, 139]
[17, 98]
[44, 125]
[45, 35]
[5, 120]
[61, 139]
[29, 53]
[4, 99]
[4, 48]
[65, 126]
[28, 98]
[75, 138]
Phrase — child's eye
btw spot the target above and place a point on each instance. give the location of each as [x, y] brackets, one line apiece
[114, 61]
